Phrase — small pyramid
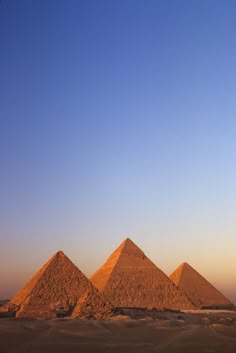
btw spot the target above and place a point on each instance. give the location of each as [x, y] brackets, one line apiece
[56, 288]
[202, 293]
[92, 305]
[129, 279]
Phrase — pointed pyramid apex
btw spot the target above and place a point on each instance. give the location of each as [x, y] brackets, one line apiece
[184, 265]
[58, 256]
[130, 248]
[60, 253]
[127, 249]
[177, 274]
[128, 240]
[181, 267]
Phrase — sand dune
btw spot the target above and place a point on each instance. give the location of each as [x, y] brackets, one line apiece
[203, 332]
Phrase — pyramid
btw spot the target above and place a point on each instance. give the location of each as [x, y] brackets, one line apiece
[129, 279]
[57, 288]
[202, 293]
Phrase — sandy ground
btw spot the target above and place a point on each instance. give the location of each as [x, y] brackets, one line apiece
[200, 332]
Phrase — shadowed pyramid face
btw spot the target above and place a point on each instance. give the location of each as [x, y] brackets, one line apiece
[58, 285]
[129, 278]
[197, 288]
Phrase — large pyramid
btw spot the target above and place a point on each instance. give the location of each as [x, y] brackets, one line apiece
[129, 279]
[59, 287]
[198, 289]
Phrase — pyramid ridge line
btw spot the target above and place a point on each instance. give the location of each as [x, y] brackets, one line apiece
[125, 242]
[114, 258]
[184, 265]
[128, 239]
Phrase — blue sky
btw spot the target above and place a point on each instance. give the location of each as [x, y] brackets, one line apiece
[118, 119]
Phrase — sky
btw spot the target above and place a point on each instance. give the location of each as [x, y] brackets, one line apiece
[117, 119]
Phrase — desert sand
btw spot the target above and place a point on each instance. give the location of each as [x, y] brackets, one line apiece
[187, 332]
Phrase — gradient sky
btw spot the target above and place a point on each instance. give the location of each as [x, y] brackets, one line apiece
[118, 118]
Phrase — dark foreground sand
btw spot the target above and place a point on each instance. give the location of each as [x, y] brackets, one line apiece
[167, 333]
